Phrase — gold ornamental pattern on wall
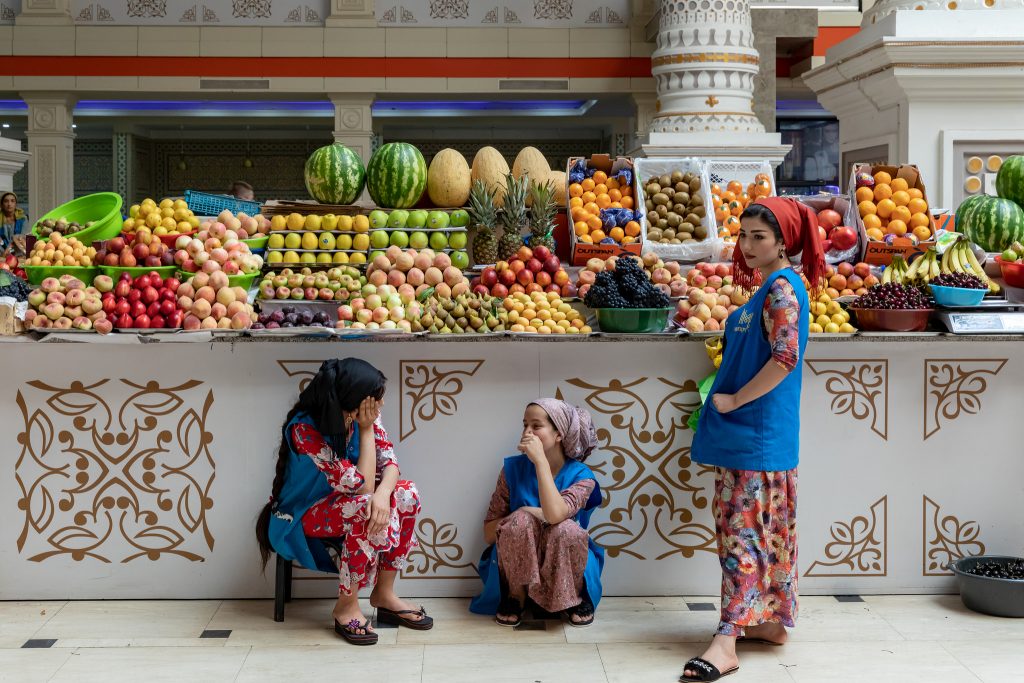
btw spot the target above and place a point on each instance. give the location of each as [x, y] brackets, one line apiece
[642, 460]
[115, 479]
[858, 387]
[945, 538]
[953, 387]
[438, 554]
[430, 388]
[858, 547]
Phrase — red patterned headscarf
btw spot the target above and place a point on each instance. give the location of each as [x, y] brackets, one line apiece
[799, 226]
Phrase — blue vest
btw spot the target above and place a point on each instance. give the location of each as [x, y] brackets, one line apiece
[763, 435]
[524, 491]
[304, 487]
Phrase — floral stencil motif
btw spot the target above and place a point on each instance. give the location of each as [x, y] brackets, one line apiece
[250, 9]
[147, 8]
[552, 9]
[491, 17]
[449, 9]
[189, 17]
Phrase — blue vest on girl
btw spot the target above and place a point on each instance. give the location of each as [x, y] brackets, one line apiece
[763, 435]
[304, 487]
[524, 491]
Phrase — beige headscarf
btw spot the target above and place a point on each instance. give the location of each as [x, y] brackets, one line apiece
[579, 437]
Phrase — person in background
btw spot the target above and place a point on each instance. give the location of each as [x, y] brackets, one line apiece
[242, 190]
[13, 220]
[537, 522]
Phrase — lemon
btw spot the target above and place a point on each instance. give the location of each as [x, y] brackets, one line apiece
[128, 225]
[275, 241]
[292, 240]
[329, 222]
[815, 328]
[361, 242]
[326, 241]
[345, 223]
[312, 222]
[847, 328]
[361, 224]
[357, 258]
[278, 223]
[275, 257]
[340, 258]
[180, 204]
[167, 204]
[193, 221]
[184, 226]
[160, 230]
[295, 221]
[831, 328]
[309, 240]
[833, 307]
[308, 257]
[343, 242]
[167, 213]
[291, 257]
[838, 319]
[134, 211]
[323, 257]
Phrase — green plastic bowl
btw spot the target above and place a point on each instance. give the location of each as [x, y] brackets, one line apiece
[103, 207]
[632, 320]
[115, 271]
[243, 280]
[257, 242]
[36, 274]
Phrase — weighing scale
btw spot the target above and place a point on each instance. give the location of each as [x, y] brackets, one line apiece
[997, 316]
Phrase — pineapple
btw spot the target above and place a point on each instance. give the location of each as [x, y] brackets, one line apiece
[542, 215]
[513, 216]
[485, 217]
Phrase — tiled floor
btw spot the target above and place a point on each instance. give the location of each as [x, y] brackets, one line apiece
[931, 639]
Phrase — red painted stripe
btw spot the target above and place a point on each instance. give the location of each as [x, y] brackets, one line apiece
[323, 67]
[830, 36]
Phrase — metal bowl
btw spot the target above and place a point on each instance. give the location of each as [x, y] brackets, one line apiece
[998, 597]
[892, 320]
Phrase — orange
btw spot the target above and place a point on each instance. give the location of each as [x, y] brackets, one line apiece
[603, 200]
[733, 223]
[617, 234]
[882, 191]
[762, 176]
[588, 184]
[735, 186]
[867, 208]
[897, 228]
[575, 190]
[580, 228]
[586, 239]
[872, 221]
[578, 213]
[627, 202]
[632, 229]
[882, 177]
[716, 189]
[721, 213]
[597, 235]
[628, 240]
[626, 190]
[915, 193]
[575, 202]
[744, 198]
[592, 208]
[728, 196]
[875, 234]
[600, 176]
[901, 198]
[594, 223]
[614, 194]
[750, 189]
[864, 194]
[736, 207]
[917, 205]
[920, 220]
[899, 185]
[616, 205]
[900, 213]
[886, 207]
[600, 188]
[589, 197]
[922, 233]
[612, 183]
[762, 188]
[716, 201]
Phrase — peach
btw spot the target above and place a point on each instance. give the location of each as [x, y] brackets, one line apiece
[382, 263]
[414, 277]
[712, 325]
[422, 261]
[396, 277]
[723, 269]
[719, 313]
[433, 276]
[694, 324]
[862, 270]
[442, 261]
[701, 312]
[845, 269]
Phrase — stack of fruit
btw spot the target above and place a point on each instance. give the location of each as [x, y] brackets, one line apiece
[957, 258]
[729, 203]
[170, 217]
[847, 279]
[60, 226]
[994, 223]
[336, 284]
[244, 225]
[601, 207]
[666, 275]
[543, 313]
[710, 298]
[627, 286]
[891, 209]
[675, 210]
[834, 235]
[61, 251]
[142, 249]
[530, 270]
[465, 314]
[287, 316]
[418, 271]
[66, 303]
[144, 302]
[10, 263]
[438, 230]
[214, 249]
[313, 239]
[829, 317]
[382, 308]
[209, 302]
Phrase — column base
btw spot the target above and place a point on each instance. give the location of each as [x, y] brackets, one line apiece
[724, 146]
[12, 160]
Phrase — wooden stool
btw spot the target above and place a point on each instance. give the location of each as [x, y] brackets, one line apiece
[283, 576]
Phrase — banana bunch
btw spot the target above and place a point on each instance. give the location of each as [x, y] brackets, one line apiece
[959, 258]
[895, 271]
[924, 268]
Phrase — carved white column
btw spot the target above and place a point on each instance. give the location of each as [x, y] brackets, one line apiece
[351, 13]
[44, 13]
[51, 178]
[12, 160]
[353, 121]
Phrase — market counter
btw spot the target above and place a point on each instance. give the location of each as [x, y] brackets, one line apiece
[136, 468]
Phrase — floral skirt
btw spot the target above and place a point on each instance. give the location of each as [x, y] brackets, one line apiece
[755, 522]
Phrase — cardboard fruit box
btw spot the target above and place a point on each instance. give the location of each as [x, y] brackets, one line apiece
[882, 253]
[582, 251]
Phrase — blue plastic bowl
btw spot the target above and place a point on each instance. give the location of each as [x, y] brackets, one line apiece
[957, 296]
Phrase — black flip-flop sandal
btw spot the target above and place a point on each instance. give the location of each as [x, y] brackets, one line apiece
[585, 612]
[387, 616]
[349, 633]
[509, 608]
[707, 670]
[759, 641]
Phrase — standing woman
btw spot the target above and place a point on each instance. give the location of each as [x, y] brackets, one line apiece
[750, 432]
[12, 220]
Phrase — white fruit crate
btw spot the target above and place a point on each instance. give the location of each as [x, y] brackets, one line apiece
[743, 171]
[706, 249]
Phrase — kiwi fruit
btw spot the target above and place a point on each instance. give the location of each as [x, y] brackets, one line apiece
[674, 208]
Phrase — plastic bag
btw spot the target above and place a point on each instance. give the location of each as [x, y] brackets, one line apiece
[704, 389]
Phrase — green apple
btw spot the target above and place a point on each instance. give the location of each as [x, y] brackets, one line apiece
[276, 241]
[419, 240]
[398, 218]
[459, 218]
[417, 219]
[438, 241]
[460, 259]
[292, 240]
[379, 239]
[437, 220]
[1009, 256]
[373, 255]
[457, 240]
[400, 238]
[378, 219]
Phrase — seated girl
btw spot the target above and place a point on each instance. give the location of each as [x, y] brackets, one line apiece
[337, 477]
[537, 522]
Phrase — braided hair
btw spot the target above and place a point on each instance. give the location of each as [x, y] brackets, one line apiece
[339, 386]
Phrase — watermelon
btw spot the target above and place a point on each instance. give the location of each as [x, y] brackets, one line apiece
[1010, 179]
[396, 175]
[992, 223]
[334, 174]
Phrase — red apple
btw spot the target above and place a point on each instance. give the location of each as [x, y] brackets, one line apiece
[543, 278]
[507, 277]
[121, 307]
[137, 308]
[481, 290]
[168, 295]
[525, 277]
[172, 283]
[542, 253]
[489, 277]
[150, 295]
[153, 309]
[499, 290]
[109, 305]
[551, 265]
[534, 265]
[134, 295]
[123, 322]
[115, 245]
[829, 218]
[524, 254]
[176, 319]
[553, 288]
[142, 322]
[141, 282]
[140, 251]
[167, 307]
[122, 288]
[157, 322]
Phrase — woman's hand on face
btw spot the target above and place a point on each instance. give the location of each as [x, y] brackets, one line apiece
[531, 447]
[724, 403]
[378, 510]
[369, 411]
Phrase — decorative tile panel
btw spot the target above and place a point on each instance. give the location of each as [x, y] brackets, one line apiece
[192, 13]
[510, 13]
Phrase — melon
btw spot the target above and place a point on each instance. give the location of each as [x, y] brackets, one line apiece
[558, 179]
[334, 174]
[531, 162]
[993, 223]
[396, 175]
[448, 179]
[1010, 179]
[490, 167]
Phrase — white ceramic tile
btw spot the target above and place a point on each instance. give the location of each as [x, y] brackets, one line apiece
[499, 663]
[153, 665]
[290, 41]
[538, 42]
[907, 662]
[130, 619]
[107, 40]
[354, 42]
[20, 620]
[257, 615]
[630, 662]
[646, 627]
[478, 629]
[172, 41]
[323, 636]
[657, 603]
[44, 40]
[599, 42]
[993, 661]
[415, 42]
[476, 42]
[822, 618]
[75, 643]
[30, 666]
[230, 41]
[393, 664]
[941, 617]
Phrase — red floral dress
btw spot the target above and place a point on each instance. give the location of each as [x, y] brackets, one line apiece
[343, 512]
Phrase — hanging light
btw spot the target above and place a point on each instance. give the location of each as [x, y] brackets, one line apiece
[182, 166]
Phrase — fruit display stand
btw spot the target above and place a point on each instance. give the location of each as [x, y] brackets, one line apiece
[585, 223]
[879, 213]
[705, 244]
[313, 239]
[833, 208]
[734, 181]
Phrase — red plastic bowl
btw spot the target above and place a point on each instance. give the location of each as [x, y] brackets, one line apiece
[1013, 273]
[885, 320]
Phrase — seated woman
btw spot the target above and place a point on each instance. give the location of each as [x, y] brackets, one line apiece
[337, 477]
[537, 522]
